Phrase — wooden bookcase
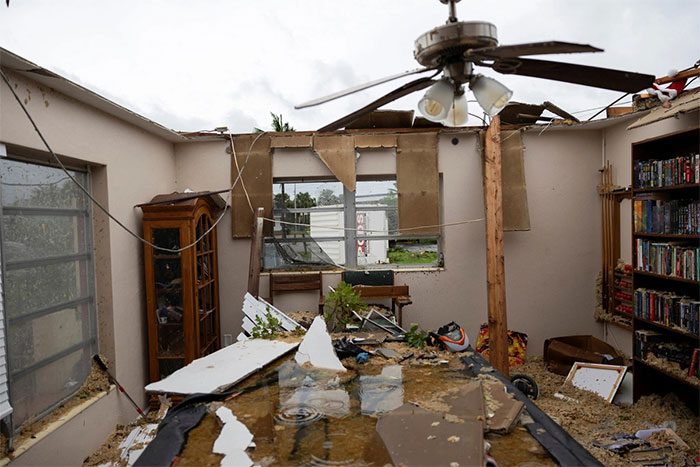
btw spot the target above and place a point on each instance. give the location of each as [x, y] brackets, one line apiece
[662, 233]
[182, 288]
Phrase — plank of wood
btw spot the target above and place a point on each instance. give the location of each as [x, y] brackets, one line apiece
[255, 252]
[257, 177]
[338, 153]
[495, 261]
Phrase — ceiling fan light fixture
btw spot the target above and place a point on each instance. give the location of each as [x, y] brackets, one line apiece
[491, 95]
[437, 101]
[459, 112]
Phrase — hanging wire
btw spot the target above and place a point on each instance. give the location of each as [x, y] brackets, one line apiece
[104, 209]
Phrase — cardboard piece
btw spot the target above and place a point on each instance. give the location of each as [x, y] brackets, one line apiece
[603, 380]
[317, 348]
[415, 436]
[417, 183]
[506, 409]
[338, 153]
[562, 352]
[257, 177]
[294, 140]
[516, 215]
[375, 141]
[233, 440]
[223, 368]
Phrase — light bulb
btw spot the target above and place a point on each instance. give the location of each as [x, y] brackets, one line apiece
[458, 113]
[491, 95]
[437, 101]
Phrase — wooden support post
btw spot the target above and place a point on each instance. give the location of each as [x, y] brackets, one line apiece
[495, 263]
[256, 242]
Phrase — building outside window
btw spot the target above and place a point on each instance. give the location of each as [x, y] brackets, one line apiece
[322, 224]
[48, 286]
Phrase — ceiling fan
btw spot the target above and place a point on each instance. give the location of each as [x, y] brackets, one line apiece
[455, 48]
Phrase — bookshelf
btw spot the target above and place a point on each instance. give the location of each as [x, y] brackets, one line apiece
[666, 265]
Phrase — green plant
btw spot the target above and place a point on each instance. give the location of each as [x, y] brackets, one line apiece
[267, 328]
[340, 304]
[415, 337]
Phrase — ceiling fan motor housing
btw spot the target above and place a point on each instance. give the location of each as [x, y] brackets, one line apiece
[449, 42]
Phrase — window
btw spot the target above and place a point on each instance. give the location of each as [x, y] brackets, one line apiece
[48, 286]
[320, 223]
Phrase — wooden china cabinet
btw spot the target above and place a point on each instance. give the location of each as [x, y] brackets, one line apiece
[182, 289]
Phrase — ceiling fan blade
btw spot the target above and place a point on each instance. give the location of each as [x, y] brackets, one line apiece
[533, 48]
[604, 78]
[408, 88]
[360, 87]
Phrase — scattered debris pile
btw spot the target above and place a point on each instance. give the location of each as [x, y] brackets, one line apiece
[595, 423]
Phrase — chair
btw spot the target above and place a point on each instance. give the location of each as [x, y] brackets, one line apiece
[285, 282]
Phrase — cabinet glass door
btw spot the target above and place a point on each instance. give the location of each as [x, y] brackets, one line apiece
[167, 272]
[206, 288]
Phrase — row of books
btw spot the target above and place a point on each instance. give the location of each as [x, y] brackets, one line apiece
[668, 172]
[668, 258]
[667, 308]
[667, 217]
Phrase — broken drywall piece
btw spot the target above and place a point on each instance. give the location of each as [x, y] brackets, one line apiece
[317, 349]
[222, 368]
[233, 440]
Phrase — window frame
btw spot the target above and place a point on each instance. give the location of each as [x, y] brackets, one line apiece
[85, 259]
[350, 237]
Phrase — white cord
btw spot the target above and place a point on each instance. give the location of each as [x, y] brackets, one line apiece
[102, 208]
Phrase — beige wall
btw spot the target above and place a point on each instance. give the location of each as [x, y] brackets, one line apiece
[129, 166]
[550, 271]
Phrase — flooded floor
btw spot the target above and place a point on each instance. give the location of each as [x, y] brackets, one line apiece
[303, 416]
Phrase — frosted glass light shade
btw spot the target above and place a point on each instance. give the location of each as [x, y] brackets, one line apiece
[491, 95]
[437, 101]
[458, 113]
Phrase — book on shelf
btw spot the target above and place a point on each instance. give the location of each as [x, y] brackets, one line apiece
[655, 173]
[667, 308]
[673, 259]
[643, 340]
[677, 217]
[694, 369]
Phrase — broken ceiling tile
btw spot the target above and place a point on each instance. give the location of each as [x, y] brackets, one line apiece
[317, 349]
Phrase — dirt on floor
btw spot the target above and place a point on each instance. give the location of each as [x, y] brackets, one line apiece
[95, 383]
[592, 418]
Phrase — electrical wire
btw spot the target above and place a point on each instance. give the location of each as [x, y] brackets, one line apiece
[104, 209]
[386, 232]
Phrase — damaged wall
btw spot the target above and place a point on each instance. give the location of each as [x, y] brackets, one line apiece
[550, 270]
[129, 167]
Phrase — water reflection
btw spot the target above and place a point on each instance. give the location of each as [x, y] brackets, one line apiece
[381, 393]
[306, 391]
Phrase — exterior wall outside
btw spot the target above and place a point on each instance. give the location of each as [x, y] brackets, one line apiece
[550, 270]
[617, 141]
[129, 167]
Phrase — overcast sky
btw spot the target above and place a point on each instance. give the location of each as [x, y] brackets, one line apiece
[196, 65]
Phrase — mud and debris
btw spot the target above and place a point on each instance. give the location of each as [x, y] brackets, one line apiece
[591, 418]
